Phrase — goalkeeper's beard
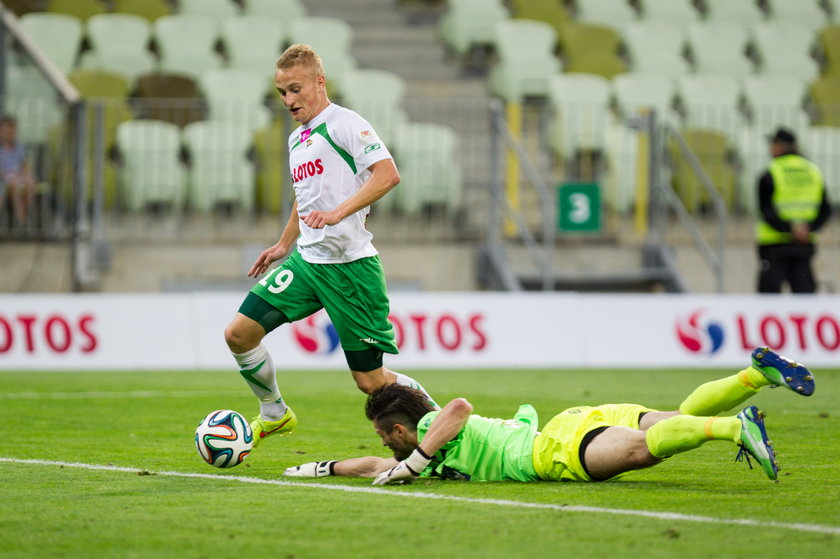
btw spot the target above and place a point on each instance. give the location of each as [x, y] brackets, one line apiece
[402, 453]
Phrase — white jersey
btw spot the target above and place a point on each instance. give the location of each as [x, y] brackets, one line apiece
[329, 158]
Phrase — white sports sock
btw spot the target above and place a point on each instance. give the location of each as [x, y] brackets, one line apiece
[257, 368]
[406, 380]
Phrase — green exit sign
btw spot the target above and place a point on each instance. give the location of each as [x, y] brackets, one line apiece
[579, 207]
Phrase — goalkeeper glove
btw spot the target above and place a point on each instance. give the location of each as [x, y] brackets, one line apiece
[312, 469]
[406, 471]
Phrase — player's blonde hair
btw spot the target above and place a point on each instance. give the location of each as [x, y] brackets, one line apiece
[300, 55]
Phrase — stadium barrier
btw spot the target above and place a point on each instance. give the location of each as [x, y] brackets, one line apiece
[433, 330]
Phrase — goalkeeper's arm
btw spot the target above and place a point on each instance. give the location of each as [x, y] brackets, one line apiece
[366, 466]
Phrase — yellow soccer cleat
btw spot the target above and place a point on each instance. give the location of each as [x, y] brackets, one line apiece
[283, 426]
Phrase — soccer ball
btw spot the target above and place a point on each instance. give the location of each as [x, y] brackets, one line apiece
[224, 438]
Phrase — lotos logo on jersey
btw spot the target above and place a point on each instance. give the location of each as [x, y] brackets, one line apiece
[698, 335]
[308, 169]
[316, 334]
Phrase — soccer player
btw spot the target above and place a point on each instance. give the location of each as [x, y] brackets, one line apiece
[339, 167]
[580, 444]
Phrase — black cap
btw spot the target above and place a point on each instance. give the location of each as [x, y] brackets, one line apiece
[783, 135]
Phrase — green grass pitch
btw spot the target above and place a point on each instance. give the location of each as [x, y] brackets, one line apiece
[147, 501]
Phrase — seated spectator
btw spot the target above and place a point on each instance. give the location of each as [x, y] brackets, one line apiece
[15, 173]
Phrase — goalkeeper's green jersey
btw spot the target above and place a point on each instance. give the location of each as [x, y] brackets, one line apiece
[486, 449]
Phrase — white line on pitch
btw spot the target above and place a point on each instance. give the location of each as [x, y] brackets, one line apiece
[416, 495]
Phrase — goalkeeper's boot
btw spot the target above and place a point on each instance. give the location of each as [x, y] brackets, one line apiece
[263, 428]
[754, 442]
[781, 371]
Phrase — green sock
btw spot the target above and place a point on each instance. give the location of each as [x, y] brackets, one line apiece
[686, 432]
[718, 396]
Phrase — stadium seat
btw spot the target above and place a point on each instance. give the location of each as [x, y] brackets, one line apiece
[806, 12]
[775, 100]
[151, 170]
[190, 64]
[218, 10]
[31, 98]
[678, 12]
[220, 171]
[525, 50]
[106, 108]
[321, 32]
[272, 171]
[719, 48]
[118, 31]
[180, 35]
[753, 159]
[825, 95]
[833, 9]
[612, 13]
[599, 64]
[711, 102]
[284, 9]
[820, 145]
[92, 84]
[468, 25]
[127, 62]
[713, 151]
[744, 12]
[378, 96]
[580, 103]
[168, 97]
[656, 47]
[785, 48]
[254, 43]
[59, 36]
[634, 92]
[235, 95]
[590, 48]
[106, 93]
[829, 42]
[621, 147]
[81, 9]
[148, 9]
[551, 12]
[429, 168]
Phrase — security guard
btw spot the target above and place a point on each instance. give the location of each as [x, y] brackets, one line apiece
[792, 205]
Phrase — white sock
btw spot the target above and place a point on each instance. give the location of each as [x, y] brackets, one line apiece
[406, 380]
[257, 368]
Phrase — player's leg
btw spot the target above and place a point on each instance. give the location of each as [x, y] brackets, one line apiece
[768, 368]
[615, 442]
[355, 298]
[667, 436]
[616, 450]
[244, 338]
[369, 373]
[281, 296]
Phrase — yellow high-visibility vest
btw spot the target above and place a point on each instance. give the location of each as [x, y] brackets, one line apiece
[797, 195]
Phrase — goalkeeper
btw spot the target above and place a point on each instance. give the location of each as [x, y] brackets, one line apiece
[579, 444]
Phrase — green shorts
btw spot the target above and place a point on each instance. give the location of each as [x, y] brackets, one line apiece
[556, 448]
[352, 293]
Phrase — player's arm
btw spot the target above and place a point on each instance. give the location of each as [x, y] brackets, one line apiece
[279, 249]
[366, 466]
[445, 427]
[383, 177]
